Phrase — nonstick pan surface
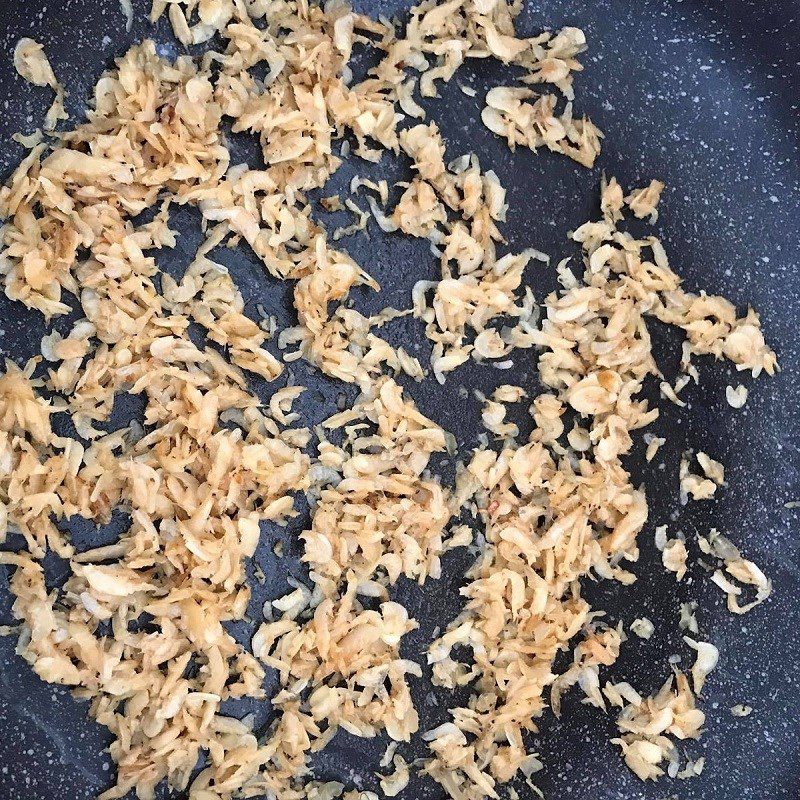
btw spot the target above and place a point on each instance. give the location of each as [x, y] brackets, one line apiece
[701, 94]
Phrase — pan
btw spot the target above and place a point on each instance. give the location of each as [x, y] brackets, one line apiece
[702, 95]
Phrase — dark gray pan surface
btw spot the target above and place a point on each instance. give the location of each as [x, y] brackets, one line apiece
[700, 94]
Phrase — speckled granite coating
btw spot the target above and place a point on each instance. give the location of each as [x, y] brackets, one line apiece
[701, 94]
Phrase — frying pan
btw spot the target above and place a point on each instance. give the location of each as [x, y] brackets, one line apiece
[702, 95]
